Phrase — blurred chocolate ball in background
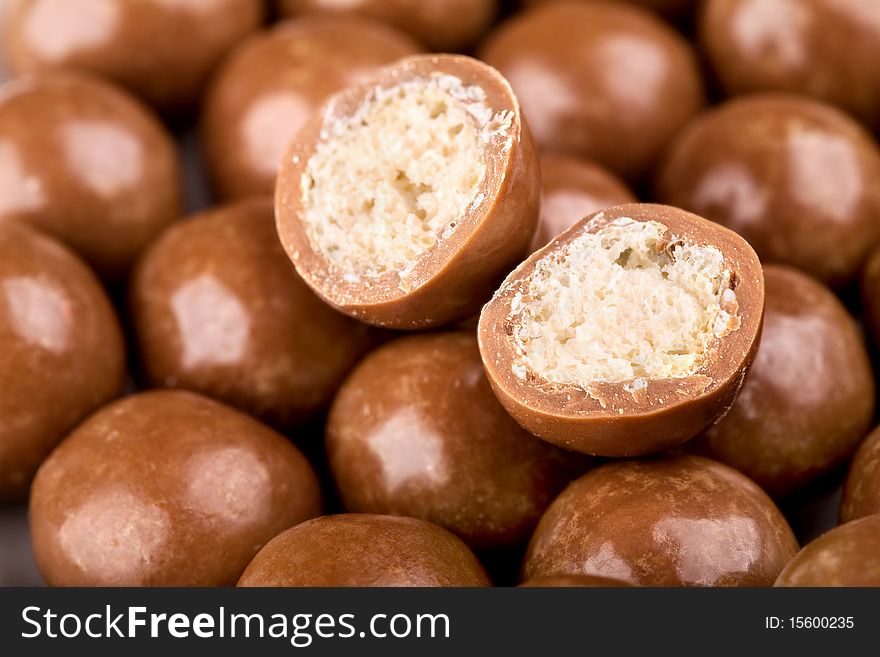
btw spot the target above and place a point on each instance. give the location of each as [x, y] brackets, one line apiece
[825, 49]
[571, 189]
[274, 82]
[798, 179]
[88, 164]
[162, 51]
[608, 82]
[442, 25]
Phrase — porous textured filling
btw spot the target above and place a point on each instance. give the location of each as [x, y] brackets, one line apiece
[385, 184]
[622, 304]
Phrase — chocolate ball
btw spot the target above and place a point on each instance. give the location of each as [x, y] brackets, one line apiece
[416, 431]
[575, 581]
[827, 49]
[629, 334]
[274, 82]
[673, 521]
[607, 82]
[407, 199]
[848, 555]
[809, 397]
[442, 25]
[220, 310]
[87, 164]
[798, 179]
[166, 488]
[861, 494]
[362, 549]
[163, 51]
[61, 351]
[570, 190]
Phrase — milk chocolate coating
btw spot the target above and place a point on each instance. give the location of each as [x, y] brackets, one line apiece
[162, 51]
[861, 494]
[570, 190]
[608, 82]
[673, 521]
[827, 49]
[61, 351]
[87, 164]
[610, 419]
[220, 310]
[442, 25]
[575, 581]
[416, 431]
[166, 488]
[848, 555]
[798, 179]
[365, 550]
[272, 84]
[454, 277]
[809, 397]
[670, 7]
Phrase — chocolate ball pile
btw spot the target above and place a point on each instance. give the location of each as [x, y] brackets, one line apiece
[558, 293]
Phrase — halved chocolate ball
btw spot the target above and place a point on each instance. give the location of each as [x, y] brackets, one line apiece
[628, 334]
[410, 196]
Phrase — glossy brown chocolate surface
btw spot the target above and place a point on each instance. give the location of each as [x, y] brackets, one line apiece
[575, 581]
[611, 419]
[809, 397]
[798, 179]
[220, 310]
[827, 49]
[87, 164]
[451, 279]
[365, 550]
[571, 189]
[416, 431]
[62, 352]
[163, 51]
[861, 494]
[442, 25]
[672, 7]
[272, 84]
[607, 82]
[672, 521]
[166, 488]
[848, 555]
